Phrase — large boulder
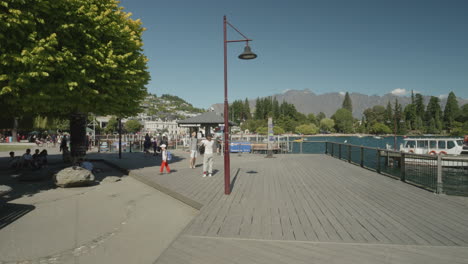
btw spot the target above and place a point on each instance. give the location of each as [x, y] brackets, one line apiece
[4, 189]
[74, 177]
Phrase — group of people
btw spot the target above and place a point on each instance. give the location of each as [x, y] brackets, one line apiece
[159, 145]
[209, 146]
[154, 143]
[36, 160]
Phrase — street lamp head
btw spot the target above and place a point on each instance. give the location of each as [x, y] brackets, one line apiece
[247, 54]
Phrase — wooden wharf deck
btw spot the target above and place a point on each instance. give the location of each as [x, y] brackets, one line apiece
[309, 208]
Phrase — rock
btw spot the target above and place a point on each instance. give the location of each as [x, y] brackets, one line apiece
[74, 177]
[4, 189]
[110, 179]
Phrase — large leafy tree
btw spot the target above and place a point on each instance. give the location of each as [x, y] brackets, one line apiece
[343, 120]
[309, 129]
[133, 126]
[70, 57]
[327, 124]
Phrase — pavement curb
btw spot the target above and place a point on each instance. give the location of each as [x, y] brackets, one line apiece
[194, 204]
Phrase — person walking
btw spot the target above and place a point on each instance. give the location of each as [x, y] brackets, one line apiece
[209, 145]
[154, 143]
[147, 145]
[193, 144]
[164, 162]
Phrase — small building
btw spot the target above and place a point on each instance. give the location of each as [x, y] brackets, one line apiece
[205, 120]
[160, 125]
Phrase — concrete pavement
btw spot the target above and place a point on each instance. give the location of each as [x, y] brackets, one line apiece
[121, 222]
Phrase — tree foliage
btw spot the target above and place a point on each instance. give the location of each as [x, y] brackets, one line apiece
[112, 126]
[133, 126]
[451, 111]
[327, 124]
[380, 128]
[347, 103]
[66, 56]
[310, 129]
[343, 120]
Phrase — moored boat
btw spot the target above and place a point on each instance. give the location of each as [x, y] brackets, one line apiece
[433, 146]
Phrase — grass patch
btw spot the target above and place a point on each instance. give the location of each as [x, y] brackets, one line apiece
[6, 148]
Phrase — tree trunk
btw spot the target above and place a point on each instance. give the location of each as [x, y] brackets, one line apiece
[78, 135]
[14, 131]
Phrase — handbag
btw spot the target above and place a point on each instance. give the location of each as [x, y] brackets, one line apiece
[201, 149]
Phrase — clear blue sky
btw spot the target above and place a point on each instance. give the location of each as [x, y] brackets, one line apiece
[363, 46]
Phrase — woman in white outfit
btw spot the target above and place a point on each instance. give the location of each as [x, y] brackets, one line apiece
[210, 145]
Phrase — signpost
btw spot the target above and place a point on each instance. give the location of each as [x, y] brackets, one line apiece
[271, 138]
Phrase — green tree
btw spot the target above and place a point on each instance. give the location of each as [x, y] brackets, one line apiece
[327, 124]
[277, 130]
[409, 114]
[312, 119]
[451, 111]
[343, 120]
[112, 126]
[248, 115]
[320, 116]
[133, 126]
[310, 129]
[253, 124]
[65, 58]
[262, 130]
[347, 103]
[463, 114]
[380, 128]
[419, 105]
[374, 114]
[389, 112]
[434, 115]
[259, 109]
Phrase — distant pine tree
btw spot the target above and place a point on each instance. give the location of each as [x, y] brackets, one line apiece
[347, 103]
[451, 111]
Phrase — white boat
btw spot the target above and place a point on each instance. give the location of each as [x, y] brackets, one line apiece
[433, 146]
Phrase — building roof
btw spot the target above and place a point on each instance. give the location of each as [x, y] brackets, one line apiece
[207, 118]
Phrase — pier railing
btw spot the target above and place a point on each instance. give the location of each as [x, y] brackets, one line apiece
[438, 173]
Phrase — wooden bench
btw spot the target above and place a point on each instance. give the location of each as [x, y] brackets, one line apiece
[264, 147]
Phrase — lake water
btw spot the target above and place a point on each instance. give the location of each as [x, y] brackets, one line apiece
[368, 141]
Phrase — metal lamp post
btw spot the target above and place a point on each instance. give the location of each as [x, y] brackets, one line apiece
[246, 55]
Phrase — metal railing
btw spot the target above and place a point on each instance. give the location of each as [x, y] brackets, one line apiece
[441, 174]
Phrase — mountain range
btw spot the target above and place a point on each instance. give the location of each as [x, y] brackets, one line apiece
[307, 101]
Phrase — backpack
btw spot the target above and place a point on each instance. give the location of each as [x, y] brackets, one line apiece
[169, 155]
[202, 149]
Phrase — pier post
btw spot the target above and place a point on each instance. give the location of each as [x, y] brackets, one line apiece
[339, 150]
[326, 147]
[378, 160]
[349, 153]
[440, 185]
[403, 167]
[333, 149]
[362, 156]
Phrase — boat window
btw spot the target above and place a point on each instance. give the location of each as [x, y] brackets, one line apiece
[432, 144]
[451, 144]
[422, 144]
[460, 143]
[442, 144]
[410, 144]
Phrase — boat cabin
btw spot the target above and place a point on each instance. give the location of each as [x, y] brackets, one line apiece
[433, 146]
